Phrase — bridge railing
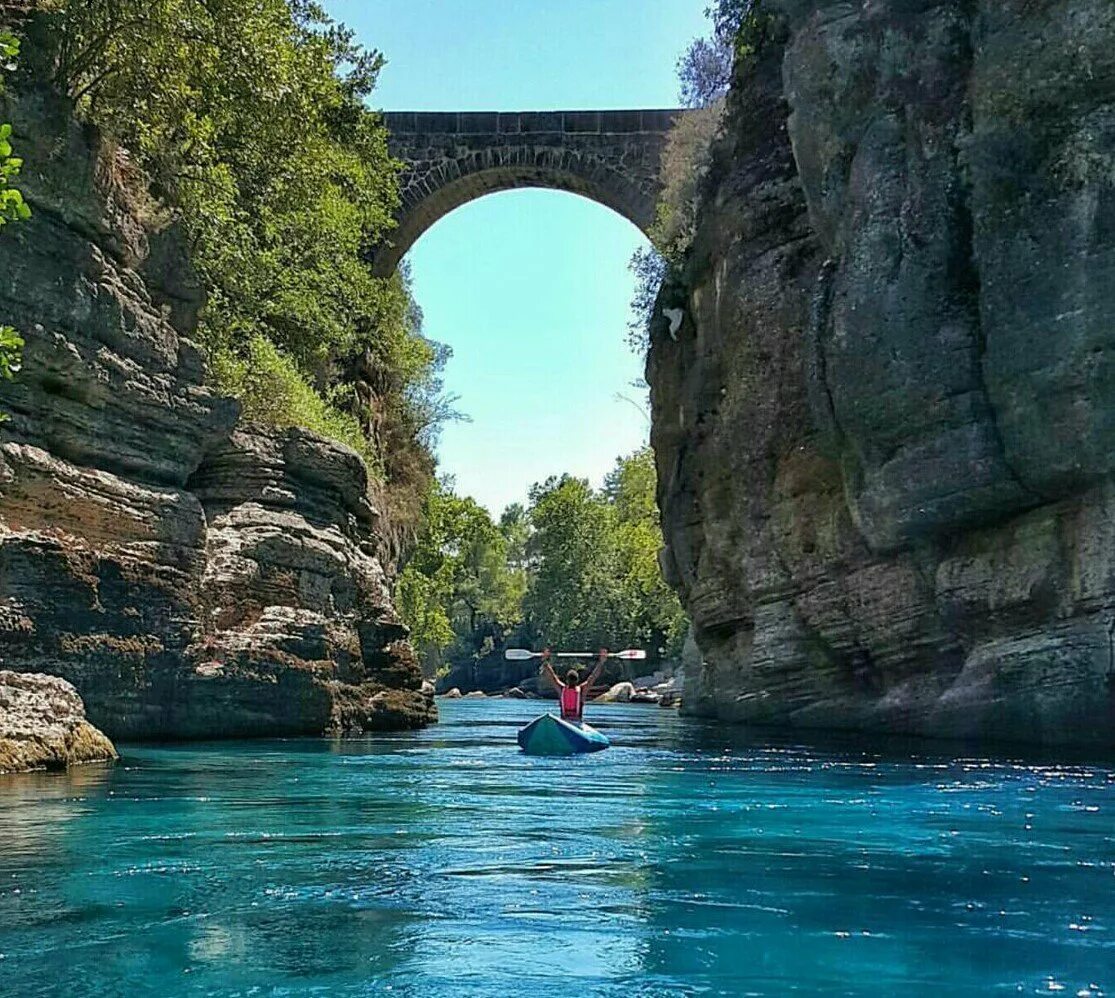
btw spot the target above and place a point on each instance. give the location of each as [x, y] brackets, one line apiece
[530, 122]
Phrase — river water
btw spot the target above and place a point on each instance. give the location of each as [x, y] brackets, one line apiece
[686, 860]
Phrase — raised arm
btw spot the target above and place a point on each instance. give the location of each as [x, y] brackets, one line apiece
[548, 671]
[588, 683]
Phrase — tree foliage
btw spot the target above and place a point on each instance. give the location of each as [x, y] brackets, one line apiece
[686, 160]
[597, 580]
[461, 591]
[729, 18]
[12, 206]
[11, 347]
[252, 130]
[578, 567]
[274, 392]
[649, 269]
[248, 116]
[704, 75]
[704, 71]
[705, 68]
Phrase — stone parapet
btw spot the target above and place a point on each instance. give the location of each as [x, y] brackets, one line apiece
[530, 122]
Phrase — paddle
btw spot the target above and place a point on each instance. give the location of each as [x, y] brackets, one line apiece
[521, 654]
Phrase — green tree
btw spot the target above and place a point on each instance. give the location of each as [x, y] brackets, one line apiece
[578, 567]
[654, 608]
[514, 524]
[459, 593]
[596, 578]
[572, 597]
[423, 598]
[630, 488]
[248, 116]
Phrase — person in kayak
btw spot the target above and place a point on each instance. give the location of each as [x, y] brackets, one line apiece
[572, 692]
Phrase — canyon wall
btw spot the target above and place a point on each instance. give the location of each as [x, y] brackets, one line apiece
[886, 429]
[191, 578]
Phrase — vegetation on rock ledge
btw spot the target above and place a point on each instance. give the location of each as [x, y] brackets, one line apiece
[12, 206]
[249, 120]
[704, 75]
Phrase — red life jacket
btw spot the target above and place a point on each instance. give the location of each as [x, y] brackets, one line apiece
[572, 704]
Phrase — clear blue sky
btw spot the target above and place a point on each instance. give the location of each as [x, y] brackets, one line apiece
[529, 288]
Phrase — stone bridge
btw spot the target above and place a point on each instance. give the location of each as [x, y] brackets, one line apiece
[453, 157]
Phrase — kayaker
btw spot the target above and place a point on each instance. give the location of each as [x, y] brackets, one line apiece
[572, 692]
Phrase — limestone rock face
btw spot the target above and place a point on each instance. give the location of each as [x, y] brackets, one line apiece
[189, 580]
[43, 725]
[292, 577]
[886, 430]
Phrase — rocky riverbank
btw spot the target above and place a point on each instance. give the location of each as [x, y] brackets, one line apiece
[885, 429]
[664, 692]
[189, 576]
[43, 725]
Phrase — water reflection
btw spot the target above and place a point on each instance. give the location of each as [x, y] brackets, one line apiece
[35, 809]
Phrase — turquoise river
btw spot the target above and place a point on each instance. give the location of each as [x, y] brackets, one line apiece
[686, 860]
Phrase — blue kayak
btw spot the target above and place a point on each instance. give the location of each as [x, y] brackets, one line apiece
[550, 735]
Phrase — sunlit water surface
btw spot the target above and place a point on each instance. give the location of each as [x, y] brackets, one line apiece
[683, 861]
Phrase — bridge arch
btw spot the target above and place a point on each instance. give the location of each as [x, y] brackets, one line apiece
[450, 158]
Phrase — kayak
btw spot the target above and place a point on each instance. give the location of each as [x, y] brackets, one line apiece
[551, 735]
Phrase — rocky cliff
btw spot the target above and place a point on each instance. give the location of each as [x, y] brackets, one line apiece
[190, 578]
[886, 430]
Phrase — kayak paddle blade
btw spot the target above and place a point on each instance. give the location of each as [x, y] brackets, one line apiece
[518, 654]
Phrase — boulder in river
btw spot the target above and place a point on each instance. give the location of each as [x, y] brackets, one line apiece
[620, 693]
[43, 725]
[515, 694]
[453, 694]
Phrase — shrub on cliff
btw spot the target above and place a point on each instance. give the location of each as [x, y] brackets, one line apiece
[686, 161]
[685, 164]
[249, 119]
[649, 269]
[704, 74]
[12, 206]
[274, 392]
[705, 70]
